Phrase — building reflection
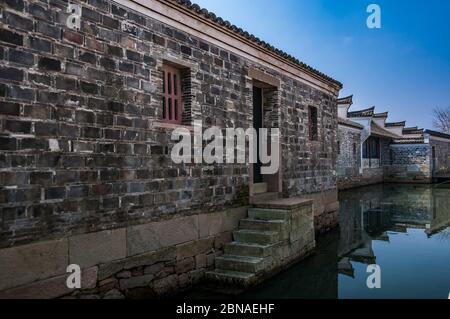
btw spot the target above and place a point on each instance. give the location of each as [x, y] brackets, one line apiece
[374, 213]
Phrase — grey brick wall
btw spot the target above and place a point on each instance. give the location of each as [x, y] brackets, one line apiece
[79, 151]
[409, 163]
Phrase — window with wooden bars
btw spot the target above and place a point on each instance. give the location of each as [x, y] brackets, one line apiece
[172, 107]
[312, 123]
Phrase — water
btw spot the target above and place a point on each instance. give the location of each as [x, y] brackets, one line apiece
[404, 229]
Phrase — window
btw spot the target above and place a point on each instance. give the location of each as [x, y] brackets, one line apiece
[354, 149]
[339, 147]
[371, 148]
[172, 99]
[312, 123]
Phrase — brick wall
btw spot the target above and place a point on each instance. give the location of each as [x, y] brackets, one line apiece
[349, 158]
[81, 145]
[409, 163]
[442, 156]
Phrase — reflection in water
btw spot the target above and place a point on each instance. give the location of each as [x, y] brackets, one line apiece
[402, 228]
[405, 229]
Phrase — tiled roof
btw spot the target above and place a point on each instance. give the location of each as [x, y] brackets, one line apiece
[224, 23]
[409, 141]
[395, 124]
[379, 131]
[385, 114]
[412, 130]
[346, 100]
[362, 113]
[349, 123]
[437, 134]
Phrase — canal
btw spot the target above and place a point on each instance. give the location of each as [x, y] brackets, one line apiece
[404, 229]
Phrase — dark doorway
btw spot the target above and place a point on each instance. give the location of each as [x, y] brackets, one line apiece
[257, 124]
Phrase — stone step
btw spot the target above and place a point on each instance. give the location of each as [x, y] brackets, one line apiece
[241, 263]
[256, 237]
[263, 197]
[268, 214]
[251, 250]
[231, 278]
[265, 225]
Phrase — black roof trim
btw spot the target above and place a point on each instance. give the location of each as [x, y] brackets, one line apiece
[345, 100]
[438, 134]
[362, 113]
[395, 124]
[384, 114]
[224, 23]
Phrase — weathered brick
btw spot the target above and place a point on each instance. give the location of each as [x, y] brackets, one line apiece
[40, 12]
[108, 64]
[39, 44]
[49, 64]
[74, 37]
[111, 23]
[19, 22]
[78, 191]
[9, 73]
[93, 44]
[48, 30]
[55, 193]
[87, 57]
[100, 4]
[9, 108]
[2, 91]
[45, 129]
[41, 178]
[91, 15]
[18, 126]
[20, 93]
[21, 57]
[15, 4]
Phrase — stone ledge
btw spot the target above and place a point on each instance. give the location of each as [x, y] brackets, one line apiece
[285, 203]
[51, 288]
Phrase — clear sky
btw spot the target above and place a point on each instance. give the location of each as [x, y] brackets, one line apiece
[403, 68]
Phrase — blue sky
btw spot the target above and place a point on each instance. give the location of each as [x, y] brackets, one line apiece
[403, 68]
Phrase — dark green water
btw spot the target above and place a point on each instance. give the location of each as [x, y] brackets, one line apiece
[404, 229]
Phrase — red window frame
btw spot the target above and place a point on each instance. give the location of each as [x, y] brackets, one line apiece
[172, 99]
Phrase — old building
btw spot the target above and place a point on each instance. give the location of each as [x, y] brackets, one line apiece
[89, 96]
[373, 151]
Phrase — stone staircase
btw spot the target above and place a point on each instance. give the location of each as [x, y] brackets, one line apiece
[265, 241]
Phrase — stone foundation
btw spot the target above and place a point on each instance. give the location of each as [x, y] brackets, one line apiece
[325, 208]
[164, 257]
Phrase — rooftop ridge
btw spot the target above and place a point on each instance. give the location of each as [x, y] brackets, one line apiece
[362, 113]
[391, 124]
[384, 114]
[346, 100]
[237, 30]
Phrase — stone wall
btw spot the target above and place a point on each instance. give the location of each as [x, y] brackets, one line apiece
[83, 152]
[349, 158]
[151, 260]
[410, 163]
[442, 153]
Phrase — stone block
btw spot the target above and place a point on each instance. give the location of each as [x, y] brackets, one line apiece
[51, 288]
[165, 285]
[197, 247]
[154, 236]
[162, 255]
[134, 282]
[210, 224]
[96, 248]
[185, 265]
[25, 264]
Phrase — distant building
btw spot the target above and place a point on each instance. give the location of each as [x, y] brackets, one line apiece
[372, 150]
